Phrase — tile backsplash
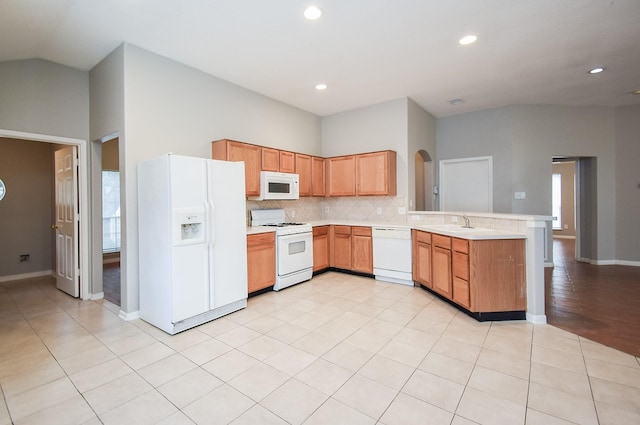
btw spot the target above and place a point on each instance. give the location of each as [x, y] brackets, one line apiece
[377, 209]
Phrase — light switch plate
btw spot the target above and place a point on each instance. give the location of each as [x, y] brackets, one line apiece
[520, 195]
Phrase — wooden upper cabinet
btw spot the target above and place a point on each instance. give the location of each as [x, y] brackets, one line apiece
[270, 159]
[341, 176]
[287, 162]
[317, 176]
[251, 155]
[376, 173]
[303, 169]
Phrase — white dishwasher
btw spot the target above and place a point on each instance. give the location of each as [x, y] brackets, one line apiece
[392, 254]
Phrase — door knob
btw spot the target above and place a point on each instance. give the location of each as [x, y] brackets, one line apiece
[55, 226]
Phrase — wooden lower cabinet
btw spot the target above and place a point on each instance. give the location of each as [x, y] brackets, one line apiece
[352, 248]
[362, 242]
[261, 261]
[341, 247]
[441, 265]
[422, 257]
[483, 276]
[320, 248]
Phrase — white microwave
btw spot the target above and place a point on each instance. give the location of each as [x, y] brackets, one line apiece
[277, 186]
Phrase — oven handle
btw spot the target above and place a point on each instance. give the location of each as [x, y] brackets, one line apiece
[300, 236]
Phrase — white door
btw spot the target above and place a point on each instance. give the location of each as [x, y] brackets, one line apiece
[66, 225]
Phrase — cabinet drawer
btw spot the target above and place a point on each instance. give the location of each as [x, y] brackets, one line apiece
[441, 241]
[342, 230]
[320, 230]
[461, 292]
[361, 231]
[461, 265]
[460, 245]
[261, 239]
[424, 237]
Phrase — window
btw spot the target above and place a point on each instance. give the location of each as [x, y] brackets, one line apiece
[556, 201]
[110, 211]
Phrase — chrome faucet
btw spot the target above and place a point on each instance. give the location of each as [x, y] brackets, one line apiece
[466, 221]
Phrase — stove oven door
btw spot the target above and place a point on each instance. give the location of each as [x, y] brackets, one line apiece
[295, 253]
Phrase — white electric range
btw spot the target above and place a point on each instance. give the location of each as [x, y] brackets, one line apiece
[294, 247]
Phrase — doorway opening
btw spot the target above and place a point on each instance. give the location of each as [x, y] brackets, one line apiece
[578, 205]
[84, 290]
[424, 181]
[111, 229]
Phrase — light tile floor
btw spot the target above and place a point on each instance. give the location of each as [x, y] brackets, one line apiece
[339, 349]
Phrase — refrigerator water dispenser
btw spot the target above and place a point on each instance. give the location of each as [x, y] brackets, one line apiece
[189, 226]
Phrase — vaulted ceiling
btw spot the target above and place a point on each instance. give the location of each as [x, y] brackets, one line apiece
[366, 51]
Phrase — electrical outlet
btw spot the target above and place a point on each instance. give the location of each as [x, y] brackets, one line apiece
[379, 211]
[326, 209]
[520, 195]
[454, 219]
[415, 217]
[402, 210]
[25, 257]
[293, 214]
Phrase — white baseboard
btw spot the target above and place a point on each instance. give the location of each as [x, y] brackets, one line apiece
[96, 296]
[26, 275]
[628, 263]
[538, 319]
[563, 237]
[129, 316]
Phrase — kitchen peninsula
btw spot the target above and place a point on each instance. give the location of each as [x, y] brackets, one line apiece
[490, 234]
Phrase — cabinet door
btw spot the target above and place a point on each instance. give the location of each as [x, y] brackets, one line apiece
[362, 260]
[287, 162]
[376, 173]
[341, 176]
[422, 258]
[317, 176]
[342, 247]
[261, 261]
[303, 168]
[441, 270]
[251, 155]
[320, 248]
[270, 159]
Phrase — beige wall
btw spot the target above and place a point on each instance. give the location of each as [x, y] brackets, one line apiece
[26, 212]
[110, 158]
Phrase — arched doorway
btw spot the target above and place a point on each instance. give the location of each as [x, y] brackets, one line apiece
[424, 181]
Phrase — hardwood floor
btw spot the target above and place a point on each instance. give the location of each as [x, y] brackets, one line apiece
[601, 303]
[111, 282]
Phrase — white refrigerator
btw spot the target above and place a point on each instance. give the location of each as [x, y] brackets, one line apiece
[192, 240]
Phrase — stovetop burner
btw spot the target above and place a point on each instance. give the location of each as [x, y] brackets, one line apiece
[284, 224]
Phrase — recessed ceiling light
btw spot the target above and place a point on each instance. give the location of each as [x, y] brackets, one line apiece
[636, 92]
[457, 101]
[321, 86]
[468, 39]
[312, 13]
[597, 70]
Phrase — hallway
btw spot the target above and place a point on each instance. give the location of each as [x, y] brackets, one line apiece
[596, 302]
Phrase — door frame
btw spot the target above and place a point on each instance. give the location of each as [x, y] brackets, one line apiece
[83, 192]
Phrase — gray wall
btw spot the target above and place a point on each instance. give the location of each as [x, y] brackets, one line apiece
[169, 107]
[627, 191]
[26, 212]
[42, 97]
[369, 129]
[421, 136]
[523, 140]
